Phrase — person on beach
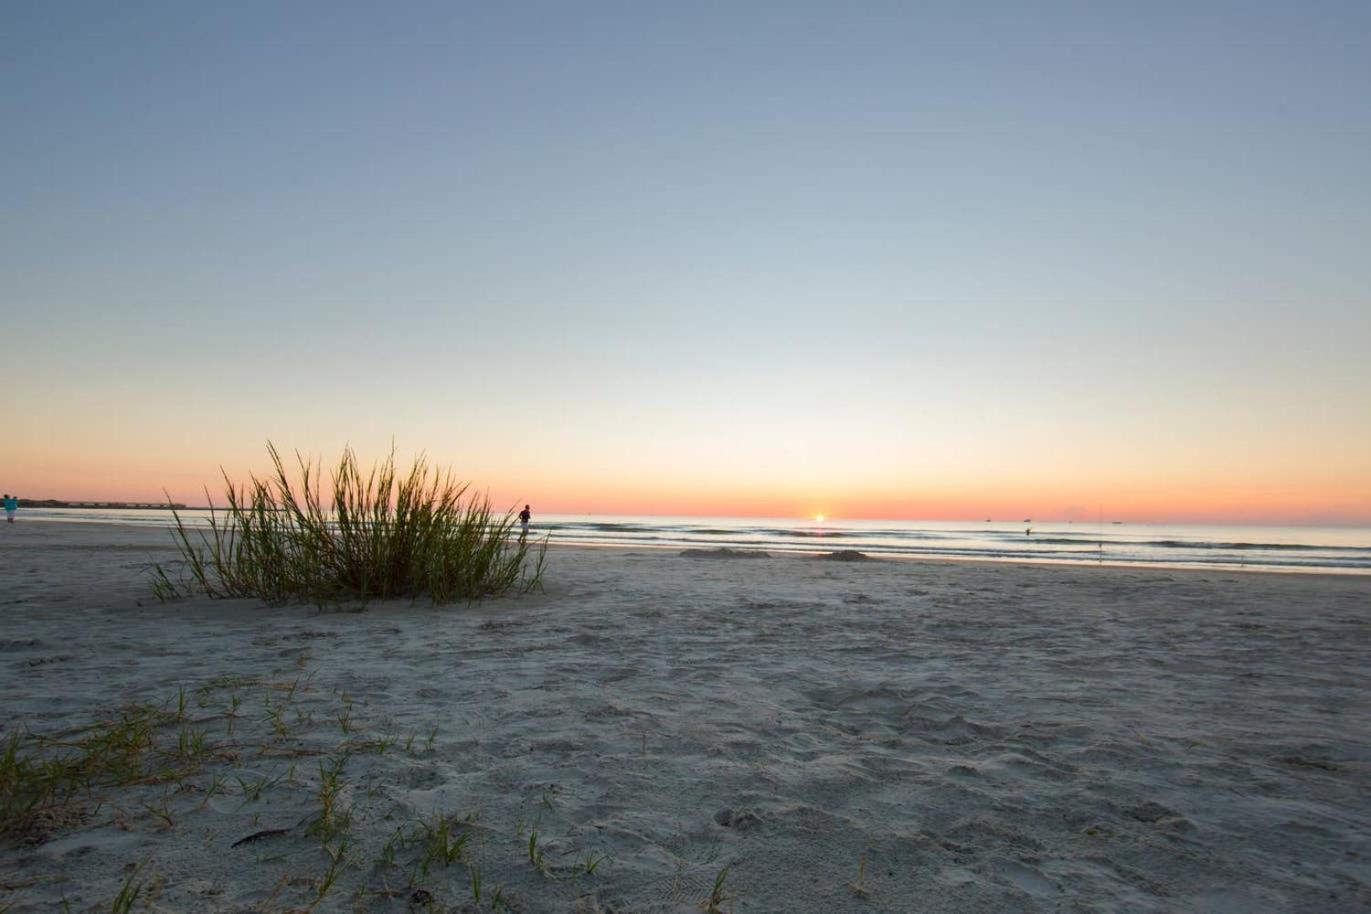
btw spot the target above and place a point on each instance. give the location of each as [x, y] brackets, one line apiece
[524, 517]
[11, 505]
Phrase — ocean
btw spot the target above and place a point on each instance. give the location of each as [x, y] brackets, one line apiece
[1262, 548]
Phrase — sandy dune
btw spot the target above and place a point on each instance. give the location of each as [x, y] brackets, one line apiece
[984, 737]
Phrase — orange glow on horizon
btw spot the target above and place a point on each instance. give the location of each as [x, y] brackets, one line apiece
[1157, 494]
[1200, 504]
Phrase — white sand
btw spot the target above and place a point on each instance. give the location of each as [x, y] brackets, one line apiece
[987, 737]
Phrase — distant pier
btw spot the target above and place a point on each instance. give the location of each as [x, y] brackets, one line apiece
[141, 505]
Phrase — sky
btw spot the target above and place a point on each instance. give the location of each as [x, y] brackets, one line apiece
[889, 260]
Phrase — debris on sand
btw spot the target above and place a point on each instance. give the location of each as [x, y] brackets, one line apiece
[847, 555]
[723, 552]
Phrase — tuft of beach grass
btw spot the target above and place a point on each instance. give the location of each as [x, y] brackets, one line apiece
[368, 535]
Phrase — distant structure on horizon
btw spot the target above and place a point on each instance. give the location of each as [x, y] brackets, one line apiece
[54, 503]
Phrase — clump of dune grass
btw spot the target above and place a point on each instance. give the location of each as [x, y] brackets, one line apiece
[375, 535]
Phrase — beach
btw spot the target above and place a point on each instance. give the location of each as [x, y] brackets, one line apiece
[785, 733]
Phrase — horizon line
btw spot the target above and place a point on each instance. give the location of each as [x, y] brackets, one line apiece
[828, 520]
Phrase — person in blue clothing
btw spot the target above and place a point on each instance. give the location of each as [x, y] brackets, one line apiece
[11, 505]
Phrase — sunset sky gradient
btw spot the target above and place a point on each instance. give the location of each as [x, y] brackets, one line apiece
[883, 260]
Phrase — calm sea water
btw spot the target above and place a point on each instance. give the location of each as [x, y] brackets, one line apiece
[1270, 548]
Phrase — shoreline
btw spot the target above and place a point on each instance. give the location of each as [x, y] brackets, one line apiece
[874, 555]
[877, 556]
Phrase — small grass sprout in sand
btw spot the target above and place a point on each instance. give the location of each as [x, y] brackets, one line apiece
[717, 894]
[393, 843]
[333, 820]
[276, 715]
[295, 687]
[476, 880]
[498, 901]
[162, 811]
[128, 893]
[440, 844]
[235, 702]
[379, 744]
[535, 853]
[215, 787]
[24, 782]
[375, 535]
[337, 860]
[191, 745]
[252, 790]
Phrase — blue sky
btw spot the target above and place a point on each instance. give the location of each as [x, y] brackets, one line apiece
[851, 239]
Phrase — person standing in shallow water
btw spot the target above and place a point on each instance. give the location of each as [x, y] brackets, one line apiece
[524, 517]
[11, 506]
